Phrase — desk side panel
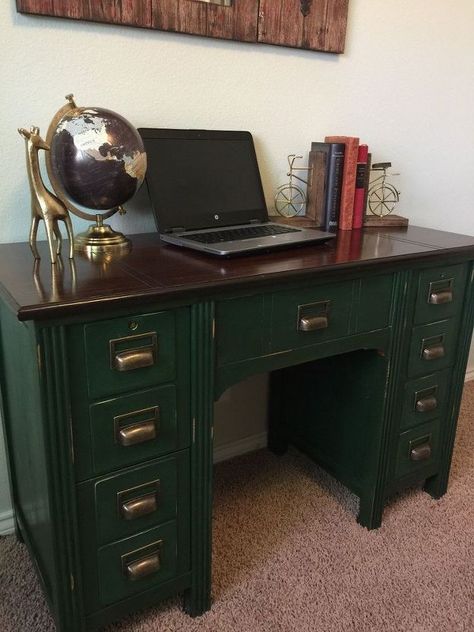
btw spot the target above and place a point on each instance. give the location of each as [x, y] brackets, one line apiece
[26, 441]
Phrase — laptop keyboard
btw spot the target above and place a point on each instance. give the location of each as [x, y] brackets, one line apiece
[236, 234]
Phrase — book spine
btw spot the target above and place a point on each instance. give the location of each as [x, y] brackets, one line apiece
[317, 182]
[348, 179]
[358, 213]
[366, 185]
[335, 172]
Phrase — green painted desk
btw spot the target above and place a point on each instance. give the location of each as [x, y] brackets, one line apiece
[110, 371]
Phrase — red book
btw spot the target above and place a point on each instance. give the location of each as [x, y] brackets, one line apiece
[348, 178]
[359, 195]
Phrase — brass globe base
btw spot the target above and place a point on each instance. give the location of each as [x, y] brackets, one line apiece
[101, 242]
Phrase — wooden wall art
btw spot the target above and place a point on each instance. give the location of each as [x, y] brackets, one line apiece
[309, 24]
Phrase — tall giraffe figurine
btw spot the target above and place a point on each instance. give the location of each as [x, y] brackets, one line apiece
[44, 204]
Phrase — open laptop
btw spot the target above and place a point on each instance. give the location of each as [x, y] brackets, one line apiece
[206, 193]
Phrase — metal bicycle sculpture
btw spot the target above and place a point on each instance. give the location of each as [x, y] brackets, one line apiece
[290, 199]
[382, 196]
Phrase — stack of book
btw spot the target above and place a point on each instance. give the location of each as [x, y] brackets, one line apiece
[338, 183]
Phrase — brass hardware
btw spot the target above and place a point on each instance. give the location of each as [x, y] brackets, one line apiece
[440, 292]
[221, 3]
[306, 7]
[313, 316]
[138, 507]
[434, 352]
[426, 404]
[136, 358]
[141, 504]
[133, 325]
[438, 298]
[420, 452]
[129, 434]
[136, 568]
[311, 323]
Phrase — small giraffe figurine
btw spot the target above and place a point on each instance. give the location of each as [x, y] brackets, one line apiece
[44, 204]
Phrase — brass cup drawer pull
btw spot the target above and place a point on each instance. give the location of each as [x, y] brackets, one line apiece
[421, 452]
[433, 352]
[426, 404]
[136, 357]
[143, 568]
[138, 507]
[313, 316]
[441, 297]
[129, 432]
[137, 433]
[312, 323]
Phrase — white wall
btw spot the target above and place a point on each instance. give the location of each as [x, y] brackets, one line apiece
[404, 85]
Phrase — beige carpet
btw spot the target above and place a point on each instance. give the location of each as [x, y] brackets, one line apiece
[289, 556]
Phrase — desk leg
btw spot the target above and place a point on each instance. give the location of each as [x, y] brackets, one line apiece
[277, 433]
[370, 511]
[197, 599]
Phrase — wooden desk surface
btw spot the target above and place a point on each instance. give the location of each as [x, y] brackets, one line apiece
[153, 271]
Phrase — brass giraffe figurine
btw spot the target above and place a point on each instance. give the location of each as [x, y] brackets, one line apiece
[44, 204]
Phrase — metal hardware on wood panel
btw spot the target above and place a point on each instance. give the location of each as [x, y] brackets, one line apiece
[136, 567]
[141, 504]
[422, 450]
[136, 358]
[313, 316]
[129, 434]
[221, 3]
[440, 292]
[433, 348]
[426, 404]
[433, 353]
[306, 7]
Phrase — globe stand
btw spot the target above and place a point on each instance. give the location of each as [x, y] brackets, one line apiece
[101, 239]
[100, 242]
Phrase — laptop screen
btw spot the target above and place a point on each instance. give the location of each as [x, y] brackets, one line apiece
[202, 179]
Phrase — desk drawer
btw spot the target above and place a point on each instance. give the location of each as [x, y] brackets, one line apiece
[132, 428]
[136, 564]
[432, 347]
[310, 315]
[440, 293]
[418, 449]
[137, 499]
[126, 354]
[425, 399]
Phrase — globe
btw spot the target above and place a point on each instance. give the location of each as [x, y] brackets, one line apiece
[96, 161]
[97, 157]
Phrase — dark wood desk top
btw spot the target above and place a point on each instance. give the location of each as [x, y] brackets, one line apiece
[153, 271]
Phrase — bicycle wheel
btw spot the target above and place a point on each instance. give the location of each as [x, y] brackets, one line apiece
[383, 199]
[290, 200]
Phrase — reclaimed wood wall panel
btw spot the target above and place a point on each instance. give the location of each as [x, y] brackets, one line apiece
[311, 24]
[238, 22]
[314, 24]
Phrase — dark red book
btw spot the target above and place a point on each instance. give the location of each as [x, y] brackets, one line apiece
[359, 194]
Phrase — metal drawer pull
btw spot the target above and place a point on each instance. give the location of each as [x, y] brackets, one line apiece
[426, 404]
[421, 452]
[138, 507]
[129, 429]
[434, 352]
[443, 296]
[312, 323]
[137, 433]
[142, 568]
[136, 358]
